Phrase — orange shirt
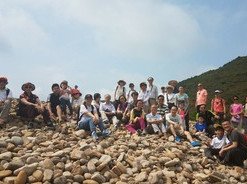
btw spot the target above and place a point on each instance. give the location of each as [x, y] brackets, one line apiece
[201, 97]
[218, 104]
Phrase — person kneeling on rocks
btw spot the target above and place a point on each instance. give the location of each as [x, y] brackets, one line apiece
[174, 124]
[235, 153]
[30, 106]
[89, 119]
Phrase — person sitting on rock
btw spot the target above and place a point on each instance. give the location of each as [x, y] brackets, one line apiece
[208, 117]
[234, 153]
[108, 112]
[53, 104]
[162, 108]
[200, 125]
[76, 102]
[174, 125]
[122, 109]
[156, 121]
[216, 144]
[96, 103]
[137, 123]
[30, 106]
[65, 98]
[89, 119]
[5, 100]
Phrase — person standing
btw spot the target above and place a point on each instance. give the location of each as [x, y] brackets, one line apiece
[170, 99]
[153, 90]
[5, 100]
[132, 90]
[218, 106]
[120, 90]
[144, 95]
[201, 96]
[183, 99]
[236, 111]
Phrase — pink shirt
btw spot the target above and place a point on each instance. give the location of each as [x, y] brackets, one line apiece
[218, 104]
[201, 97]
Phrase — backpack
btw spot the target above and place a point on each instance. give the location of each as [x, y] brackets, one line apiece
[78, 112]
[7, 92]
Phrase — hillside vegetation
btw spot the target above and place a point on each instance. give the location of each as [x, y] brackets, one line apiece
[230, 78]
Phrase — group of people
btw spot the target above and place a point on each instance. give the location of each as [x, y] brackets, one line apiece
[146, 111]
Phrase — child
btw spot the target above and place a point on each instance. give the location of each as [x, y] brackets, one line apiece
[216, 143]
[65, 97]
[200, 125]
[182, 113]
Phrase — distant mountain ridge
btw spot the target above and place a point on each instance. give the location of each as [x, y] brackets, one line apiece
[231, 78]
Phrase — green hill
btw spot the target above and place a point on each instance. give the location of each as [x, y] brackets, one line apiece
[230, 78]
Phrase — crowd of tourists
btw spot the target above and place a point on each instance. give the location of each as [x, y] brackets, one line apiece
[142, 111]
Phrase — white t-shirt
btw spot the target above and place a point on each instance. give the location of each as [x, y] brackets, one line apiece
[177, 119]
[153, 90]
[107, 107]
[217, 143]
[3, 94]
[151, 117]
[84, 109]
[170, 98]
[144, 96]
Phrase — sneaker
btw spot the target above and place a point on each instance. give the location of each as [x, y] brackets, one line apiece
[195, 143]
[30, 125]
[177, 139]
[106, 133]
[94, 135]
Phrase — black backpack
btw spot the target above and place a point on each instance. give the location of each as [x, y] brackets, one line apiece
[7, 92]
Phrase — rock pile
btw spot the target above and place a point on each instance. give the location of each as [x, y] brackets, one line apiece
[68, 156]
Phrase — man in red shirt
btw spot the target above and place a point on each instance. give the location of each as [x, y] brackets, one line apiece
[218, 106]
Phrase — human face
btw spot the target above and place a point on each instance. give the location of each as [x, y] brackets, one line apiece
[200, 120]
[107, 98]
[77, 95]
[139, 104]
[122, 99]
[88, 101]
[181, 89]
[200, 87]
[202, 108]
[2, 85]
[174, 110]
[143, 87]
[161, 100]
[28, 89]
[235, 99]
[219, 133]
[227, 126]
[56, 89]
[64, 86]
[154, 109]
[135, 97]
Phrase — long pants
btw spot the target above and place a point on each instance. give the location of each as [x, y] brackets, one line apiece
[106, 118]
[30, 112]
[187, 120]
[64, 104]
[235, 157]
[4, 109]
[159, 128]
[87, 124]
[133, 127]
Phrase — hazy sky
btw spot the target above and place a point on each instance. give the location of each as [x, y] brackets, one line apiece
[94, 43]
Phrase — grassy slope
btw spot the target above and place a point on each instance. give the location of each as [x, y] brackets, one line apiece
[231, 78]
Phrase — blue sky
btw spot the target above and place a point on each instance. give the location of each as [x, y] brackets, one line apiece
[94, 43]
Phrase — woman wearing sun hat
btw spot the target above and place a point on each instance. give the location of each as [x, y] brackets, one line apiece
[5, 100]
[30, 106]
[119, 91]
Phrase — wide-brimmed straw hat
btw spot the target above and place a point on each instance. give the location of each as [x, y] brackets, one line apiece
[28, 84]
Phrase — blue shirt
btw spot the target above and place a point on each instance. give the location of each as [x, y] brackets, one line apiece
[200, 127]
